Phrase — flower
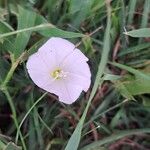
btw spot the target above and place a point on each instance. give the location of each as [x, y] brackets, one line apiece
[60, 68]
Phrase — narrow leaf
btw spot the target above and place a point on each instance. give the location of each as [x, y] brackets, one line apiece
[26, 19]
[143, 32]
[114, 137]
[54, 31]
[73, 142]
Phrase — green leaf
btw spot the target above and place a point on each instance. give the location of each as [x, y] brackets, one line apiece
[143, 32]
[54, 31]
[132, 71]
[60, 33]
[138, 86]
[47, 30]
[145, 14]
[132, 9]
[26, 19]
[137, 48]
[111, 77]
[80, 10]
[24, 31]
[73, 142]
[5, 27]
[123, 90]
[77, 5]
[7, 43]
[135, 84]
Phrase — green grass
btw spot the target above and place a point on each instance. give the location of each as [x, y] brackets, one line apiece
[114, 113]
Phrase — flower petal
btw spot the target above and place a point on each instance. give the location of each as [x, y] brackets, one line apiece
[78, 71]
[40, 79]
[76, 63]
[48, 56]
[59, 46]
[79, 80]
[69, 93]
[39, 72]
[36, 63]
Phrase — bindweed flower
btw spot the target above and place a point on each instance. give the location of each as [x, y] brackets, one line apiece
[60, 68]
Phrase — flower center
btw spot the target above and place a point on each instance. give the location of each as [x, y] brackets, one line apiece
[58, 74]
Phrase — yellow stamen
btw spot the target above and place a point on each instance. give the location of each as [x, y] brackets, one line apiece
[56, 73]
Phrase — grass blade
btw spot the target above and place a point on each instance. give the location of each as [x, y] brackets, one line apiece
[114, 137]
[76, 136]
[144, 32]
[137, 48]
[145, 16]
[131, 70]
[132, 6]
[26, 115]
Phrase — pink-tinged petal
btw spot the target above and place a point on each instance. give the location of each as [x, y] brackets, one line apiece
[40, 79]
[48, 55]
[36, 63]
[59, 46]
[46, 82]
[74, 56]
[79, 54]
[54, 87]
[78, 80]
[69, 93]
[76, 63]
[39, 71]
[78, 70]
[77, 67]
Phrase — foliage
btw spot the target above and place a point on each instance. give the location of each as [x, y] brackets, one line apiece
[114, 113]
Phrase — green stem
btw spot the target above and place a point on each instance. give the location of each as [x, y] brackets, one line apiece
[14, 116]
[28, 114]
[35, 28]
[12, 70]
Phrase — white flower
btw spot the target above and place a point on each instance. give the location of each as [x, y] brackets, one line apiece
[60, 68]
